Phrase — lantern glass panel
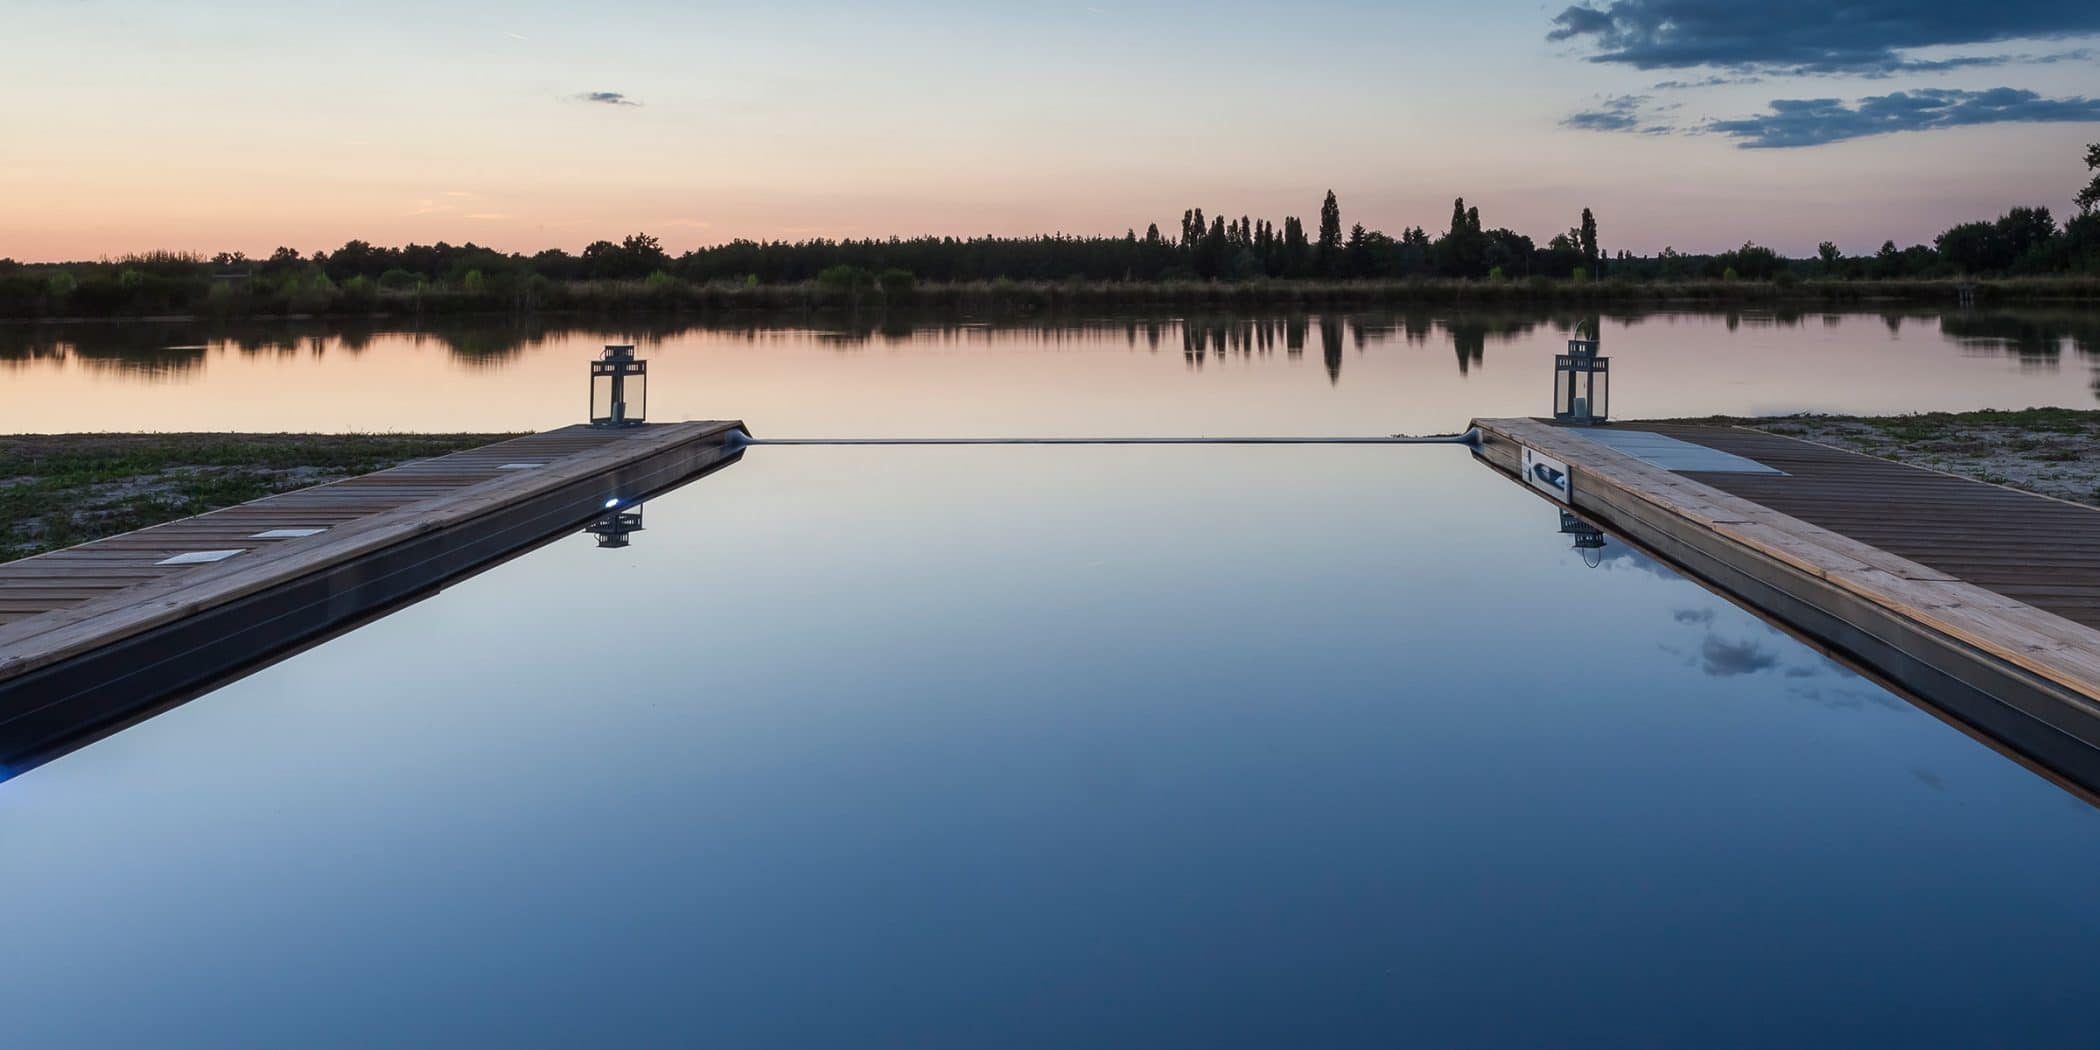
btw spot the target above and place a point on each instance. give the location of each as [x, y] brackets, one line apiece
[601, 397]
[1600, 392]
[1563, 387]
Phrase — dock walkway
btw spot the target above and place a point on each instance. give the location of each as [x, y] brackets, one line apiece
[91, 632]
[1979, 598]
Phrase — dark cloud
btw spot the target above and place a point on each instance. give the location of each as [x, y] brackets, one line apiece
[1725, 659]
[1794, 122]
[606, 98]
[1811, 36]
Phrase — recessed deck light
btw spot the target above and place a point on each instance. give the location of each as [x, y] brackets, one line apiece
[199, 557]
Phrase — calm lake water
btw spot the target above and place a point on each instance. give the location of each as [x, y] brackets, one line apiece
[1272, 374]
[1059, 746]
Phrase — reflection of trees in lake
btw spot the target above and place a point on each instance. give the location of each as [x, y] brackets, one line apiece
[1470, 335]
[1331, 346]
[165, 350]
[2034, 338]
[146, 349]
[171, 350]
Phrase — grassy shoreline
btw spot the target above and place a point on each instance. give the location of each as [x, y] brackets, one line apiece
[57, 490]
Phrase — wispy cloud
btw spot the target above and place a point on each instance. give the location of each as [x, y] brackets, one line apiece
[487, 216]
[449, 202]
[1856, 37]
[1618, 113]
[1797, 122]
[1717, 80]
[605, 98]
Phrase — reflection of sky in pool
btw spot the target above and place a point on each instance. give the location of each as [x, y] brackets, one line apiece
[985, 747]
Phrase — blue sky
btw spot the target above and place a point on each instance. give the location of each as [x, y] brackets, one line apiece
[1691, 123]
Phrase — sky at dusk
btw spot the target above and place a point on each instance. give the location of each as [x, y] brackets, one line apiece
[1696, 124]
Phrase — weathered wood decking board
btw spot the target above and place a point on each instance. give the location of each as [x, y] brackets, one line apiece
[92, 633]
[1979, 599]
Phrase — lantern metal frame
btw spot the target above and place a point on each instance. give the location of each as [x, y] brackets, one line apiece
[611, 373]
[615, 526]
[1589, 539]
[1581, 385]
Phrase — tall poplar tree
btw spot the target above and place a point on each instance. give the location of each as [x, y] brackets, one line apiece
[1330, 224]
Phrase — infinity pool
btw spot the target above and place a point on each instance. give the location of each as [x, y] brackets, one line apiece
[973, 747]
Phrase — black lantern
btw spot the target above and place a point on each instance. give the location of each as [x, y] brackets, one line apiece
[619, 388]
[1581, 384]
[617, 523]
[1589, 539]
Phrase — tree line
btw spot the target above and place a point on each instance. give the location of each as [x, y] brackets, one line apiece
[1203, 248]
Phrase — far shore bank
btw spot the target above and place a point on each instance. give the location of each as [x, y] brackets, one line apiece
[662, 296]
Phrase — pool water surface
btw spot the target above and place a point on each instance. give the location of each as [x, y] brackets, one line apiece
[1221, 746]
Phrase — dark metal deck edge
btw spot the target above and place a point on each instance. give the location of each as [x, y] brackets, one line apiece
[2024, 711]
[41, 709]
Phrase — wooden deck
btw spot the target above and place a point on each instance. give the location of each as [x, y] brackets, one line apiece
[2036, 550]
[91, 631]
[1975, 597]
